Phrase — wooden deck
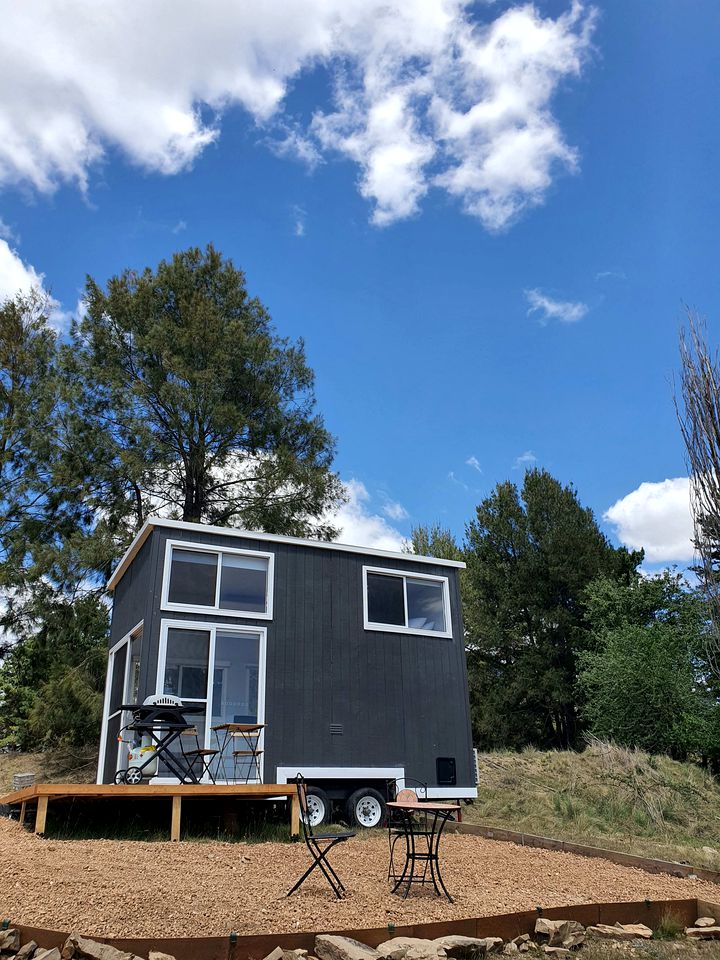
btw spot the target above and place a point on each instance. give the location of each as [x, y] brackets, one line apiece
[40, 795]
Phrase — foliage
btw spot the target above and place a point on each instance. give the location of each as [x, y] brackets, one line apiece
[28, 392]
[645, 684]
[531, 554]
[52, 678]
[189, 403]
[434, 541]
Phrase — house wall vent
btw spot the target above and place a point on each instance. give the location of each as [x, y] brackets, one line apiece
[336, 729]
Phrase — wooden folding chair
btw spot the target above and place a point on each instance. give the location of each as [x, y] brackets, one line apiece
[198, 754]
[319, 845]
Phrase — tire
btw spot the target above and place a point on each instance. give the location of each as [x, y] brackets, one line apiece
[120, 776]
[133, 776]
[366, 808]
[318, 804]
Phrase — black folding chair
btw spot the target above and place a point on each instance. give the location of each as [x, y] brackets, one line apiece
[319, 845]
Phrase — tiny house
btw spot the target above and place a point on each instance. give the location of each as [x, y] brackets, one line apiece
[353, 659]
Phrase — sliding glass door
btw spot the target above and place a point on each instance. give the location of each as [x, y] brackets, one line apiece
[219, 668]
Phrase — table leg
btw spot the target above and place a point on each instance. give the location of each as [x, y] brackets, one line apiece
[435, 857]
[41, 815]
[175, 825]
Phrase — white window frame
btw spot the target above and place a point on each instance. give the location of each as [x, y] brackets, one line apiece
[217, 610]
[394, 628]
[212, 628]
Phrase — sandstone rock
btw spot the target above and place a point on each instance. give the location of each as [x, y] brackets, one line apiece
[524, 947]
[82, 948]
[159, 955]
[703, 933]
[10, 940]
[411, 948]
[523, 938]
[621, 931]
[469, 948]
[53, 954]
[328, 947]
[705, 922]
[560, 933]
[26, 950]
[276, 954]
[558, 951]
[510, 949]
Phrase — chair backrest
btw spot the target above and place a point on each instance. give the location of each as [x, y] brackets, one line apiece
[406, 796]
[405, 785]
[299, 780]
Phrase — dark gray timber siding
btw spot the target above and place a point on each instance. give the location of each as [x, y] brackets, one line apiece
[401, 699]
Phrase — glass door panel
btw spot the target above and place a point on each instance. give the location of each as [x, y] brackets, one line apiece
[235, 695]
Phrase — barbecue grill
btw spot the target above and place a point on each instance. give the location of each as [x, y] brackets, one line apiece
[159, 721]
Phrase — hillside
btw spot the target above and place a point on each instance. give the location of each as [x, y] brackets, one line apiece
[48, 768]
[607, 796]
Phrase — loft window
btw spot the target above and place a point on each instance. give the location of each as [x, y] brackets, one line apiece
[230, 582]
[406, 603]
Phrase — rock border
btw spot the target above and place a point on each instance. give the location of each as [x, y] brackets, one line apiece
[509, 926]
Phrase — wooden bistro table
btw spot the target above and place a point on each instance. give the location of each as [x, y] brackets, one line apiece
[422, 846]
[249, 733]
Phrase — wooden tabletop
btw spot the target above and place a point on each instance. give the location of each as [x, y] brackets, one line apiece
[240, 727]
[418, 805]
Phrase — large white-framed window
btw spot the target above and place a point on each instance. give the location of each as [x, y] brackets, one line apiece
[220, 667]
[200, 578]
[395, 601]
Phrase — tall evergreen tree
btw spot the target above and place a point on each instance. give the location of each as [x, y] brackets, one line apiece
[531, 553]
[187, 402]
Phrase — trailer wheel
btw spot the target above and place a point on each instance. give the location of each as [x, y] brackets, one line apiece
[366, 808]
[318, 804]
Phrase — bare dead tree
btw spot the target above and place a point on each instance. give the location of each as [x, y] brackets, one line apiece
[698, 409]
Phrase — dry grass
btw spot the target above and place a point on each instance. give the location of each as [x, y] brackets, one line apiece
[48, 768]
[680, 949]
[606, 796]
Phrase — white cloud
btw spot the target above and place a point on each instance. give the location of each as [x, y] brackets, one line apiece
[524, 460]
[359, 526]
[16, 276]
[298, 221]
[474, 463]
[179, 226]
[421, 93]
[395, 511]
[610, 275]
[563, 310]
[656, 517]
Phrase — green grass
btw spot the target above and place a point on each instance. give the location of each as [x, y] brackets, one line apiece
[606, 796]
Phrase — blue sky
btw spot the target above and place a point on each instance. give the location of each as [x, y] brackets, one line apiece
[484, 220]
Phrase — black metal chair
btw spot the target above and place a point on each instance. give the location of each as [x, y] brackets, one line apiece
[319, 845]
[404, 788]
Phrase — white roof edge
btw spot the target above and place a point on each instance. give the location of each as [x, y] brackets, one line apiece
[152, 522]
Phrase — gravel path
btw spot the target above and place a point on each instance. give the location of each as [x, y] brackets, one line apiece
[111, 888]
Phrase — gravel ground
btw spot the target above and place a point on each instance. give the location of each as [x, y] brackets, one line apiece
[134, 888]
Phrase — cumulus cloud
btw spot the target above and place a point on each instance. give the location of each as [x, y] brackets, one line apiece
[360, 526]
[419, 94]
[16, 276]
[474, 463]
[657, 518]
[549, 309]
